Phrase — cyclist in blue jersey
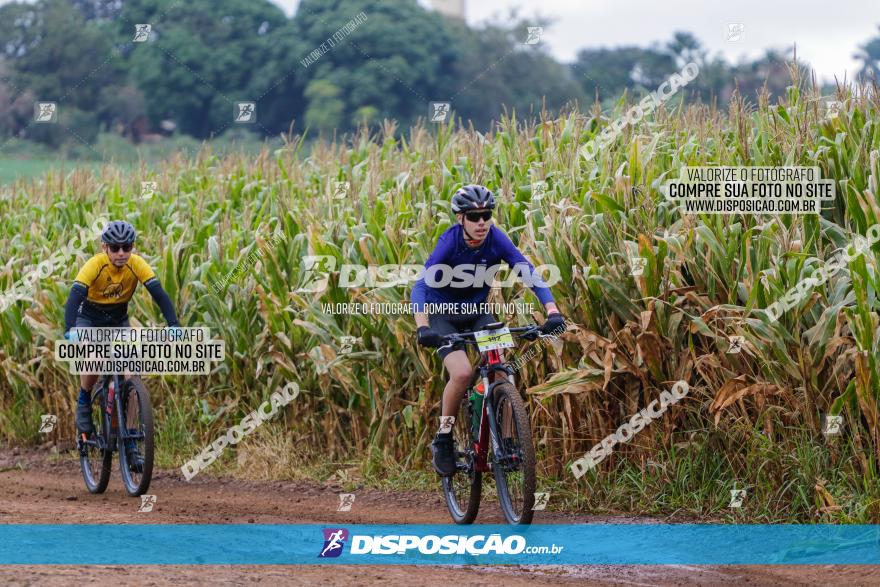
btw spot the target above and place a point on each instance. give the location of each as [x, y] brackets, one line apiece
[467, 249]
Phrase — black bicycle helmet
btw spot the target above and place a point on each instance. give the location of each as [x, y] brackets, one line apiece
[472, 197]
[118, 232]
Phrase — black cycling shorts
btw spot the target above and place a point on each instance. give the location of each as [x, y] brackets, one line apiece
[86, 322]
[450, 324]
[104, 314]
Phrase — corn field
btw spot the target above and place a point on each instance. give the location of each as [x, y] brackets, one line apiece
[757, 416]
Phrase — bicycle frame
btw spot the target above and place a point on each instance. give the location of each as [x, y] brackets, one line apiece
[122, 415]
[113, 411]
[490, 364]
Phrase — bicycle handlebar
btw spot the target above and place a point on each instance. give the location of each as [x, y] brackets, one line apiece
[527, 332]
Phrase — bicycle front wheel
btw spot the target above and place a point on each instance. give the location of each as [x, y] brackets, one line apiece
[95, 453]
[136, 443]
[513, 456]
[463, 489]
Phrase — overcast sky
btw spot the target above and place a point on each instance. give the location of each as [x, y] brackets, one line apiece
[827, 33]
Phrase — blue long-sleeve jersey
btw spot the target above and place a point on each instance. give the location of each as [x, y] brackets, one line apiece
[453, 252]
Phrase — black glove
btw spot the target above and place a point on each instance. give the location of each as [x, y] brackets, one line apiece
[429, 338]
[553, 324]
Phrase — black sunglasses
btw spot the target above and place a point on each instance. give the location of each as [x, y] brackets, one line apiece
[115, 248]
[477, 216]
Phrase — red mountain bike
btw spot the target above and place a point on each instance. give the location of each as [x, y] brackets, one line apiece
[492, 413]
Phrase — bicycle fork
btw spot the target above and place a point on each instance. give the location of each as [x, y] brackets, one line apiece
[493, 432]
[482, 436]
[488, 423]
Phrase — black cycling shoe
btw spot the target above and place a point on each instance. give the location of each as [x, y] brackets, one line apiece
[135, 459]
[444, 454]
[84, 418]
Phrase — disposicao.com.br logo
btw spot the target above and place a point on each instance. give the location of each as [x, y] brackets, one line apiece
[397, 544]
[316, 270]
[334, 542]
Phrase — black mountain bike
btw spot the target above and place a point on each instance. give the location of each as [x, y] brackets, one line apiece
[492, 414]
[122, 417]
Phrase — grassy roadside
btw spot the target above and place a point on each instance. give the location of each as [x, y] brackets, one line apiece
[685, 481]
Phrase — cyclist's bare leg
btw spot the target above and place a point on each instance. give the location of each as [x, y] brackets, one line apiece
[460, 373]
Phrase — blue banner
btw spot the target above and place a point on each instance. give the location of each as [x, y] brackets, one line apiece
[541, 544]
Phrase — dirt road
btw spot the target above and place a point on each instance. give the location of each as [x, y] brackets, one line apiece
[36, 490]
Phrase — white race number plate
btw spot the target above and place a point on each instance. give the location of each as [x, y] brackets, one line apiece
[488, 340]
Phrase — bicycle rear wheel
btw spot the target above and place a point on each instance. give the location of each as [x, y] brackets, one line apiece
[136, 420]
[95, 453]
[513, 456]
[463, 489]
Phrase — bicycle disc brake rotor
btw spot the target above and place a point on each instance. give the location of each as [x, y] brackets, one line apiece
[511, 455]
[464, 461]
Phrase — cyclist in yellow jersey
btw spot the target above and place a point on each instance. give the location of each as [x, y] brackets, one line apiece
[100, 295]
[110, 287]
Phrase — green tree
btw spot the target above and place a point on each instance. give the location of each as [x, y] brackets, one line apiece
[606, 73]
[714, 79]
[869, 55]
[395, 62]
[57, 56]
[98, 9]
[496, 70]
[122, 108]
[200, 59]
[772, 71]
[56, 53]
[16, 106]
[325, 110]
[686, 48]
[279, 81]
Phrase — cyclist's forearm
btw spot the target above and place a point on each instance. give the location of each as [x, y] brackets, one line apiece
[551, 308]
[77, 294]
[161, 297]
[417, 298]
